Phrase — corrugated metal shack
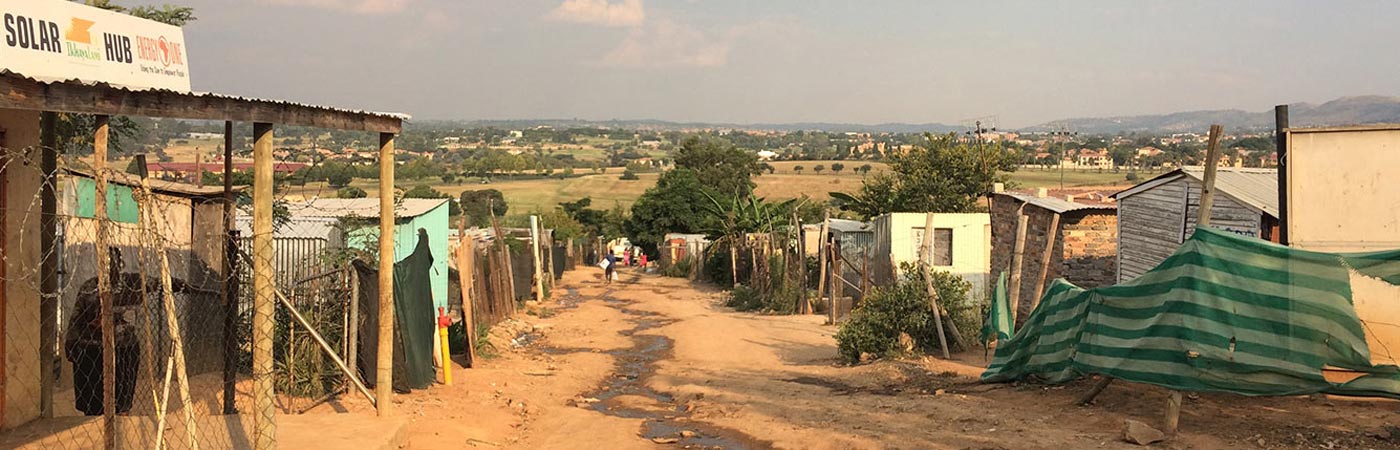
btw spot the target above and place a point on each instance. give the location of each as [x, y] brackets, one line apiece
[1156, 216]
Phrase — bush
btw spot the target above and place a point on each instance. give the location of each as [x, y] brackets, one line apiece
[875, 326]
[629, 175]
[679, 269]
[1132, 177]
[744, 299]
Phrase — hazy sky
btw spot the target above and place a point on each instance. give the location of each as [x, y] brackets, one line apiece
[867, 61]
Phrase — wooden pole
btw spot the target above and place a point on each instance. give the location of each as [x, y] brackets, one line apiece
[466, 252]
[163, 403]
[925, 264]
[804, 305]
[48, 265]
[325, 347]
[104, 284]
[264, 302]
[1208, 183]
[821, 255]
[1172, 415]
[230, 291]
[384, 379]
[535, 246]
[172, 321]
[1017, 260]
[352, 352]
[1045, 259]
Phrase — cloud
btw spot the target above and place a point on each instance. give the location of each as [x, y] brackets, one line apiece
[667, 43]
[353, 6]
[625, 13]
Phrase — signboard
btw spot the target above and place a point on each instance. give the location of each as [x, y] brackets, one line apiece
[1344, 188]
[58, 40]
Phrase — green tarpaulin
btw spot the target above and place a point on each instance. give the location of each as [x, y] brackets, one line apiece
[415, 324]
[1224, 313]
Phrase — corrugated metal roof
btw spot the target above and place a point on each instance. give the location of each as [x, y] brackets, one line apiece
[849, 226]
[1056, 204]
[1255, 187]
[158, 185]
[205, 95]
[361, 207]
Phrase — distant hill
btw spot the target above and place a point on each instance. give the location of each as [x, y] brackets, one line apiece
[661, 125]
[1342, 111]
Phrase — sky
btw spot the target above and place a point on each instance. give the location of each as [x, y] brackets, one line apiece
[781, 61]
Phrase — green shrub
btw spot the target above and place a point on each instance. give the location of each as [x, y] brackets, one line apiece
[744, 299]
[875, 326]
[679, 269]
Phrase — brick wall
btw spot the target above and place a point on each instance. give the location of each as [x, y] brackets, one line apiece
[1085, 253]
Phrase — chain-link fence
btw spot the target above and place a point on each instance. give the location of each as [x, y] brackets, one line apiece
[117, 329]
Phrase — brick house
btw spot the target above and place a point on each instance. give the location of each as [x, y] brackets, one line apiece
[1085, 245]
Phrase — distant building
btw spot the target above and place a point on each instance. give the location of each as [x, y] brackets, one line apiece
[184, 170]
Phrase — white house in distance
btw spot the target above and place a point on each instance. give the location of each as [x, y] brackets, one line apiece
[962, 245]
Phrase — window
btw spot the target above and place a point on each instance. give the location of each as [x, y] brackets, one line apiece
[942, 245]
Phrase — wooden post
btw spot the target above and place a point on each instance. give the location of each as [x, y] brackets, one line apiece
[1208, 183]
[1045, 259]
[104, 284]
[230, 291]
[264, 303]
[733, 262]
[48, 264]
[821, 255]
[352, 352]
[172, 323]
[384, 379]
[1017, 260]
[804, 305]
[926, 265]
[535, 246]
[1172, 416]
[466, 253]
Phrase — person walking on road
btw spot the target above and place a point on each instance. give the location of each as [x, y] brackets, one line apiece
[610, 263]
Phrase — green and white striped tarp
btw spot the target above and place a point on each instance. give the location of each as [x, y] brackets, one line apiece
[1224, 313]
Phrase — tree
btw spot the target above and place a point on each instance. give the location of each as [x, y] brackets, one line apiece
[940, 175]
[351, 192]
[818, 169]
[864, 169]
[719, 163]
[674, 205]
[837, 167]
[339, 179]
[629, 175]
[479, 205]
[425, 191]
[449, 178]
[797, 168]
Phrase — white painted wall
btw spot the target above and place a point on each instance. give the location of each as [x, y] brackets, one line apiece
[902, 234]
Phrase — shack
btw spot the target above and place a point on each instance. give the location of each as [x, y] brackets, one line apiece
[1079, 227]
[352, 223]
[1158, 215]
[36, 89]
[191, 221]
[962, 245]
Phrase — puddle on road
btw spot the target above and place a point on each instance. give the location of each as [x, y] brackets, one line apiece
[633, 365]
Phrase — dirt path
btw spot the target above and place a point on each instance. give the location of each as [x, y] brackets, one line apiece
[655, 362]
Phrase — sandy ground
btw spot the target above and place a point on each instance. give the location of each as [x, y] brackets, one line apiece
[654, 362]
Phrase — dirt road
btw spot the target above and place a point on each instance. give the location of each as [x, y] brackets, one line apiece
[654, 362]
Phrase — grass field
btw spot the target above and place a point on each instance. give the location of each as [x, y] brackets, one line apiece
[607, 190]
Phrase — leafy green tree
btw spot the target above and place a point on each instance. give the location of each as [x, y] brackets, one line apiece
[479, 205]
[425, 191]
[864, 169]
[798, 168]
[837, 167]
[674, 205]
[818, 169]
[339, 179]
[351, 192]
[629, 175]
[940, 175]
[719, 163]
